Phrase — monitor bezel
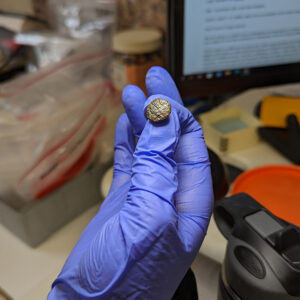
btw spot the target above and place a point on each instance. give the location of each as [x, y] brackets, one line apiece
[192, 87]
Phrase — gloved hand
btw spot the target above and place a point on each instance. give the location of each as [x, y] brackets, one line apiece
[151, 226]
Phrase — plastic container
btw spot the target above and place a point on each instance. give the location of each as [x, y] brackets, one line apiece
[135, 51]
[35, 222]
[274, 187]
[275, 110]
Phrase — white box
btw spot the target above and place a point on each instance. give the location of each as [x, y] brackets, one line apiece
[230, 129]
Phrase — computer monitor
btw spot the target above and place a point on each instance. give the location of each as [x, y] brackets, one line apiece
[224, 46]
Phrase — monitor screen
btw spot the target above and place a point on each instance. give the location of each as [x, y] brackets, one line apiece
[220, 46]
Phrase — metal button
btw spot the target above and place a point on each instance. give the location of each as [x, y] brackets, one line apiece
[158, 110]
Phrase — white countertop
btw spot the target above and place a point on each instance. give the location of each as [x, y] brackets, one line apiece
[26, 273]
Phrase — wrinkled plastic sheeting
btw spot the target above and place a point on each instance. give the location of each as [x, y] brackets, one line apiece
[80, 19]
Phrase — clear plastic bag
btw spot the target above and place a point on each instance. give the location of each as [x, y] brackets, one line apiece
[54, 123]
[47, 47]
[80, 19]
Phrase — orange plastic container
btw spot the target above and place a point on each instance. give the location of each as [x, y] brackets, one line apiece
[277, 188]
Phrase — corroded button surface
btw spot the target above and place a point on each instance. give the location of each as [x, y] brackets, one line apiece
[158, 110]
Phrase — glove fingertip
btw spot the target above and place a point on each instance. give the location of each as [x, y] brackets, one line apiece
[159, 81]
[133, 101]
[131, 95]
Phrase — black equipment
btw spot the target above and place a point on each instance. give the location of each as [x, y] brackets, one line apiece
[262, 260]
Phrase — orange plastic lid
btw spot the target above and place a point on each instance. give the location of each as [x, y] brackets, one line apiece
[277, 188]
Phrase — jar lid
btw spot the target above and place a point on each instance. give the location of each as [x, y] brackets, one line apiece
[137, 41]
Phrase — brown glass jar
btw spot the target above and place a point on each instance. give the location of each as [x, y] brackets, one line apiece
[135, 51]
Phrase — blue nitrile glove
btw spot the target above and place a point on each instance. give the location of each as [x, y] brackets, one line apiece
[151, 226]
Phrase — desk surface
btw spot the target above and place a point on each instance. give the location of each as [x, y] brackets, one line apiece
[27, 274]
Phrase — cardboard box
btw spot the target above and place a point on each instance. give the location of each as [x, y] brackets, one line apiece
[32, 8]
